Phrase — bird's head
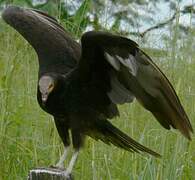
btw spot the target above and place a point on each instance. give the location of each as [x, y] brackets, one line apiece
[46, 86]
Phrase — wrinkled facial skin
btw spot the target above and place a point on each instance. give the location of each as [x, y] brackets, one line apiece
[46, 86]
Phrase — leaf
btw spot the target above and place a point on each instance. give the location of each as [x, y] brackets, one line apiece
[80, 18]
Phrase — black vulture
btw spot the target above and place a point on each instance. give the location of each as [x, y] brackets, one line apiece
[81, 85]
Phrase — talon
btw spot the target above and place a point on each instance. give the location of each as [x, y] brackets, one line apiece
[57, 167]
[52, 166]
[68, 175]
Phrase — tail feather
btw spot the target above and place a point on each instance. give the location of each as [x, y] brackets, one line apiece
[109, 134]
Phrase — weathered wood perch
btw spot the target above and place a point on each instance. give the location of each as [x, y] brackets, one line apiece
[48, 174]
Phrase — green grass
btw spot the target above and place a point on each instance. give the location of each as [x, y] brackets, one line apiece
[28, 137]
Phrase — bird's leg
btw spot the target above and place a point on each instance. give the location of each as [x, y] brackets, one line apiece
[72, 162]
[60, 163]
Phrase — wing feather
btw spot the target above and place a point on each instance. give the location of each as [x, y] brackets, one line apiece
[56, 49]
[132, 73]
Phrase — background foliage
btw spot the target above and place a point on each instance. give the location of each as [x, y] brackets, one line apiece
[28, 137]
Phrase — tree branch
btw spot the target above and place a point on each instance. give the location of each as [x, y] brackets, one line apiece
[187, 9]
[159, 25]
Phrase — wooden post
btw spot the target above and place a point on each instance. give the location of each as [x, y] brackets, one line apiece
[47, 174]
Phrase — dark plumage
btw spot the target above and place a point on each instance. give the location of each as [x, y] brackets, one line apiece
[82, 89]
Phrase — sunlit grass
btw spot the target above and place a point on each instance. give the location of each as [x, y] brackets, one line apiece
[28, 137]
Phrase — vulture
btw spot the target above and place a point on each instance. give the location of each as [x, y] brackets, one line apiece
[80, 85]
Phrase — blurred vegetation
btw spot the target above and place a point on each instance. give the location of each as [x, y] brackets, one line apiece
[28, 137]
[112, 15]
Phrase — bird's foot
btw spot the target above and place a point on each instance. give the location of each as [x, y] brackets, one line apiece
[67, 175]
[57, 167]
[60, 165]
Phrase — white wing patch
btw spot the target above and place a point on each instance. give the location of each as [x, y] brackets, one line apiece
[119, 94]
[130, 63]
[113, 61]
[117, 61]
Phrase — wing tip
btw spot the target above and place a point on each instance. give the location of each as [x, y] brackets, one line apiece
[151, 152]
[157, 155]
[188, 134]
[186, 129]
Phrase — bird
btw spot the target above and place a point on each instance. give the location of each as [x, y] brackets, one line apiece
[81, 84]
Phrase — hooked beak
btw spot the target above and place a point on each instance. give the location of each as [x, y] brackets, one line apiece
[44, 98]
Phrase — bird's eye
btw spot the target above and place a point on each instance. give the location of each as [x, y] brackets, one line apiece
[51, 86]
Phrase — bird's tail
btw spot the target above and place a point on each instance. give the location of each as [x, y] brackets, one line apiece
[109, 134]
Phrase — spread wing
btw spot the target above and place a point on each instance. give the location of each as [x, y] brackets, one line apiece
[56, 50]
[127, 72]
